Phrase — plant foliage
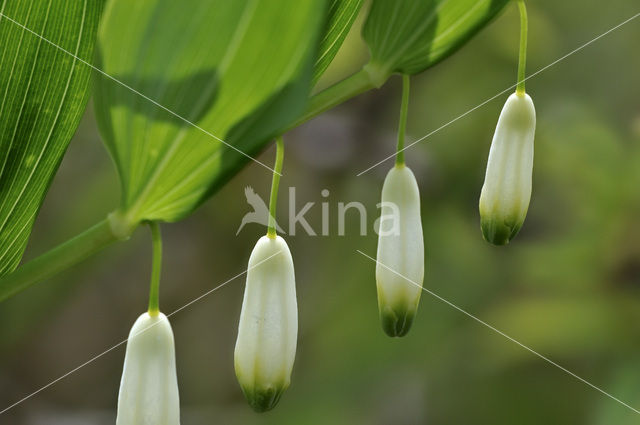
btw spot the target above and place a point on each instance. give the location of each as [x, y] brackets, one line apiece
[201, 76]
[409, 36]
[44, 91]
[341, 15]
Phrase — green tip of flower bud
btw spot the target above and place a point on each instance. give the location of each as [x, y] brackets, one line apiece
[263, 399]
[499, 232]
[396, 322]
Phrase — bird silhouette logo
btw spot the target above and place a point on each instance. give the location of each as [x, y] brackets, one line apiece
[260, 213]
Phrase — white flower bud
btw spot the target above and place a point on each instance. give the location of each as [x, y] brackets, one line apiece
[149, 385]
[268, 330]
[400, 252]
[507, 185]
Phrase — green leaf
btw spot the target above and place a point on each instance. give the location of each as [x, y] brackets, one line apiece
[239, 70]
[341, 15]
[409, 36]
[44, 91]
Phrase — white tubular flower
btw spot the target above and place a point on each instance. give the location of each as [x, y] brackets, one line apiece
[400, 268]
[149, 386]
[268, 330]
[507, 185]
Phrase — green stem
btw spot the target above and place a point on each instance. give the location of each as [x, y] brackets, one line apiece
[156, 267]
[522, 60]
[63, 256]
[275, 183]
[402, 126]
[364, 80]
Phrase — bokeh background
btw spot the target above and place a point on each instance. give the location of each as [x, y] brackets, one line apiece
[568, 286]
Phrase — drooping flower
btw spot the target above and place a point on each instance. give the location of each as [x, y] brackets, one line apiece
[400, 267]
[149, 386]
[268, 330]
[507, 186]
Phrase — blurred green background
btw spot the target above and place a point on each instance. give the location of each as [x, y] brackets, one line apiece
[568, 286]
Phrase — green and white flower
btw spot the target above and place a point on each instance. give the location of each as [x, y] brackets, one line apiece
[400, 268]
[149, 385]
[507, 186]
[268, 330]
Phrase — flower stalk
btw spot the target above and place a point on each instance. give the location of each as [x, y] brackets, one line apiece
[400, 262]
[506, 192]
[402, 127]
[149, 385]
[268, 328]
[275, 183]
[154, 289]
[522, 54]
